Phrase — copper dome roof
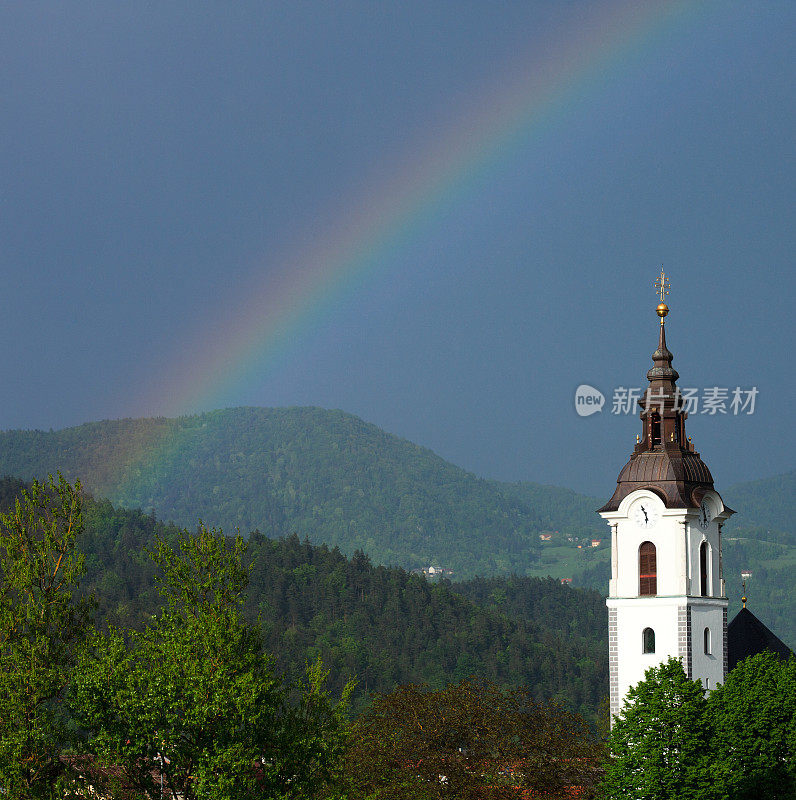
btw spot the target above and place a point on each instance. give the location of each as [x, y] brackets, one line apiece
[674, 475]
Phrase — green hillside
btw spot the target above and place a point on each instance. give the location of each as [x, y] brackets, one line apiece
[560, 510]
[383, 625]
[768, 504]
[325, 475]
[334, 479]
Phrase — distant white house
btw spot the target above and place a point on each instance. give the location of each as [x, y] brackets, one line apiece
[434, 572]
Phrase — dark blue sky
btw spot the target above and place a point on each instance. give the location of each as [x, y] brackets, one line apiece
[158, 162]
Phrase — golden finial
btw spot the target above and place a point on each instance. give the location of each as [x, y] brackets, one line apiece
[662, 288]
[743, 599]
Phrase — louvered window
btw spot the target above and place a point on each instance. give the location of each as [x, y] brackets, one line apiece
[647, 570]
[655, 423]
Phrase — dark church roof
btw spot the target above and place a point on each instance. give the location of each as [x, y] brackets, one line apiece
[748, 636]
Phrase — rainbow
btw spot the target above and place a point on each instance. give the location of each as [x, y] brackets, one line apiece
[360, 239]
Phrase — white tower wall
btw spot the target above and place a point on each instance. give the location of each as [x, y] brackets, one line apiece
[677, 612]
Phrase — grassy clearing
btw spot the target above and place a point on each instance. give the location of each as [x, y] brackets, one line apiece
[567, 562]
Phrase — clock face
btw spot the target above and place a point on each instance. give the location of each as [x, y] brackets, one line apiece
[645, 514]
[704, 515]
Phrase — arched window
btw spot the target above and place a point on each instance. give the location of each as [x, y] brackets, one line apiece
[648, 641]
[706, 637]
[704, 552]
[647, 570]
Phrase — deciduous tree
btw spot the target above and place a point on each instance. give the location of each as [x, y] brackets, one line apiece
[42, 624]
[738, 744]
[659, 743]
[470, 740]
[753, 717]
[193, 697]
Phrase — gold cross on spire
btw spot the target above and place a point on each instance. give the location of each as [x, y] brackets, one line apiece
[662, 285]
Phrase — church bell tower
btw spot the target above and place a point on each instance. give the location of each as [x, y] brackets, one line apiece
[666, 595]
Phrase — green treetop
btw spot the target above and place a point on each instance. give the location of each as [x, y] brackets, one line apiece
[193, 698]
[659, 742]
[42, 624]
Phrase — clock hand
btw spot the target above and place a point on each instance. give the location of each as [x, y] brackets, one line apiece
[643, 511]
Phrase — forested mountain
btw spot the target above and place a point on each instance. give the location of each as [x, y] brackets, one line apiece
[382, 625]
[559, 509]
[325, 475]
[542, 599]
[334, 479]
